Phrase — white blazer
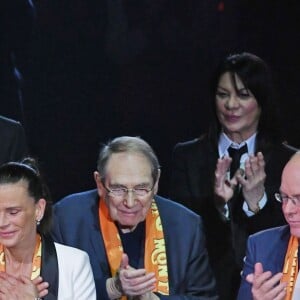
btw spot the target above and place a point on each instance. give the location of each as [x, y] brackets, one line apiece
[76, 281]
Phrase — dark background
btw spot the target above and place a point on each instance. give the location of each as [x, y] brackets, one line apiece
[98, 69]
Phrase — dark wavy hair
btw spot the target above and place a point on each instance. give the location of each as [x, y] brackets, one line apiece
[256, 76]
[27, 170]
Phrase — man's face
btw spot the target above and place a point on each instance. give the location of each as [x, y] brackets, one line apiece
[290, 187]
[128, 171]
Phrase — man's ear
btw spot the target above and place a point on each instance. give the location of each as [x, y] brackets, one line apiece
[97, 178]
[155, 188]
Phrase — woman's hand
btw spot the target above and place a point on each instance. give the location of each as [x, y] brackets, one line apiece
[253, 183]
[224, 188]
[251, 180]
[42, 286]
[23, 288]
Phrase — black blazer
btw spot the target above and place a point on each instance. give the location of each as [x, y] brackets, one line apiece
[13, 145]
[192, 182]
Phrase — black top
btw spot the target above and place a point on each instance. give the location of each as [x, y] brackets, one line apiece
[133, 245]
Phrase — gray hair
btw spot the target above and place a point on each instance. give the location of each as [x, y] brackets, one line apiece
[131, 145]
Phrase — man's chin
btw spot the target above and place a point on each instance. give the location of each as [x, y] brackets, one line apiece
[295, 230]
[128, 224]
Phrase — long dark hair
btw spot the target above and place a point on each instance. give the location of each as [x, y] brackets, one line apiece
[256, 76]
[27, 170]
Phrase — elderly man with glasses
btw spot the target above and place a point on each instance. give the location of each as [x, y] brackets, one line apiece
[141, 246]
[272, 261]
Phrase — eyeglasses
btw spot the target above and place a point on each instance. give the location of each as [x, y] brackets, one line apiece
[284, 199]
[121, 192]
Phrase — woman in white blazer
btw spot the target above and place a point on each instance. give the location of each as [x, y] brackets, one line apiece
[31, 264]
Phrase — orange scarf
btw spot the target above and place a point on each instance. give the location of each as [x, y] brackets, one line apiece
[290, 268]
[36, 260]
[155, 259]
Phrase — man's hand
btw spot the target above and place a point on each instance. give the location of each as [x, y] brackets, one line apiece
[135, 282]
[265, 286]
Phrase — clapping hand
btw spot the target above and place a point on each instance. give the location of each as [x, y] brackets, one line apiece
[135, 282]
[224, 188]
[251, 180]
[12, 288]
[266, 286]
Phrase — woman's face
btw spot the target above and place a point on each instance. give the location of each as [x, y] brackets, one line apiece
[18, 215]
[237, 110]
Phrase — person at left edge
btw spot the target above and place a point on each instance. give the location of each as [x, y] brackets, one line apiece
[17, 22]
[140, 244]
[26, 252]
[13, 141]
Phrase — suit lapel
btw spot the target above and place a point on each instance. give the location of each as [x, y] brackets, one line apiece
[267, 155]
[97, 242]
[49, 271]
[212, 158]
[281, 248]
[202, 176]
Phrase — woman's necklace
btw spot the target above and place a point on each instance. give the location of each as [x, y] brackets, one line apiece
[18, 269]
[31, 269]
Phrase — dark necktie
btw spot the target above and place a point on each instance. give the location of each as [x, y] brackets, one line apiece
[236, 154]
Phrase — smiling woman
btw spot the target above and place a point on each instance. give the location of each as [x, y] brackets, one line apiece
[237, 108]
[32, 265]
[244, 132]
[20, 211]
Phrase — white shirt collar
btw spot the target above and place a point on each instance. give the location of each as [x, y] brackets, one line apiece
[225, 143]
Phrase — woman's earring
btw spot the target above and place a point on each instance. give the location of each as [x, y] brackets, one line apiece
[38, 222]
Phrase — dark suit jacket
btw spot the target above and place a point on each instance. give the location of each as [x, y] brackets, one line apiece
[12, 140]
[76, 223]
[16, 28]
[268, 247]
[192, 182]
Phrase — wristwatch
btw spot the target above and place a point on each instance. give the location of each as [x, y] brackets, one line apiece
[118, 284]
